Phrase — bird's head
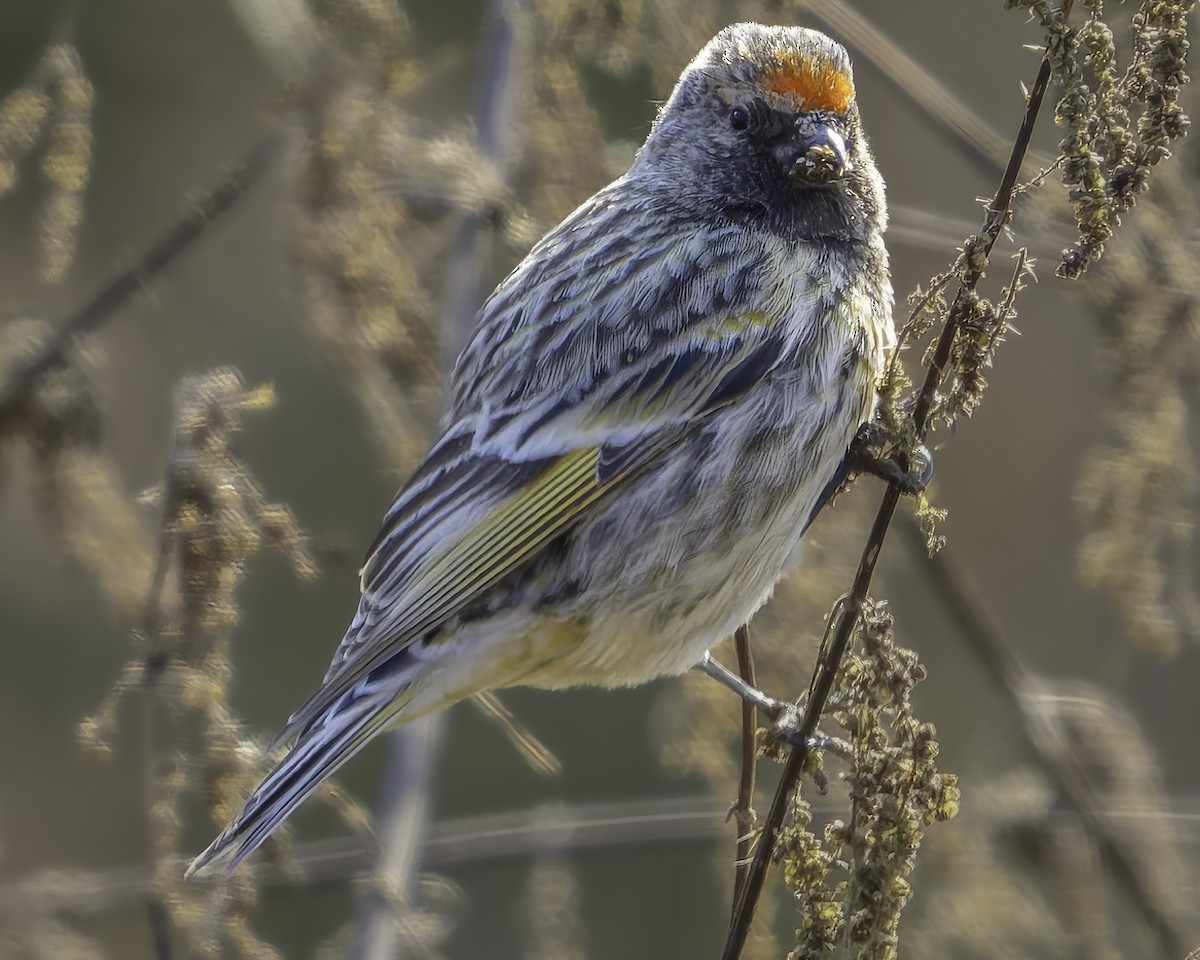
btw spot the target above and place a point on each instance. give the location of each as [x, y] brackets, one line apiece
[763, 124]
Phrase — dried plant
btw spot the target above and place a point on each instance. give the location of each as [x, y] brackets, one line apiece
[1119, 126]
[82, 496]
[852, 887]
[1138, 490]
[51, 113]
[214, 521]
[1018, 829]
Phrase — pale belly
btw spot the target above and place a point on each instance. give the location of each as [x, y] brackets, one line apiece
[666, 632]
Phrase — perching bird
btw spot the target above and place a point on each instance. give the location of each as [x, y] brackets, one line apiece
[649, 413]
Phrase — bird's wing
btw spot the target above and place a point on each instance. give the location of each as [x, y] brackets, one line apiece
[533, 443]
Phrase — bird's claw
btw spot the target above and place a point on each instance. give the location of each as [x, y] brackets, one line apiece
[909, 470]
[785, 731]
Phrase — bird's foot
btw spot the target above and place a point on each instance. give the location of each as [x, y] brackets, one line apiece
[871, 453]
[784, 716]
[769, 706]
[785, 731]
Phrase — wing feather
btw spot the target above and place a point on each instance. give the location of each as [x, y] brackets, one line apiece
[490, 550]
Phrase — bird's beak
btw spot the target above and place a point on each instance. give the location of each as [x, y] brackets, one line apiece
[820, 155]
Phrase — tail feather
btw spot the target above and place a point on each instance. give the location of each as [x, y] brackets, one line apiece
[322, 747]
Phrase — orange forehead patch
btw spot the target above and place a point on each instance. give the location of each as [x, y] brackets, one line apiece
[817, 84]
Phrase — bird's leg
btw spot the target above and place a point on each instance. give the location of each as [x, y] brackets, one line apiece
[771, 708]
[784, 715]
[870, 453]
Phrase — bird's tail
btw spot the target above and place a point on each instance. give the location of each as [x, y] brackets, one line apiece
[322, 747]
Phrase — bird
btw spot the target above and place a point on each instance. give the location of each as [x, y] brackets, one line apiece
[653, 406]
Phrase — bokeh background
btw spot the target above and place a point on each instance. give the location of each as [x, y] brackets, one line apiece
[183, 89]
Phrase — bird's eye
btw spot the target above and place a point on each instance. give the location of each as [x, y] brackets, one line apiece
[739, 118]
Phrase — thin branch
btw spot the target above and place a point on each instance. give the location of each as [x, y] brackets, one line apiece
[535, 753]
[160, 927]
[934, 230]
[153, 663]
[469, 840]
[846, 614]
[402, 823]
[402, 815]
[743, 810]
[1063, 771]
[985, 146]
[125, 285]
[494, 127]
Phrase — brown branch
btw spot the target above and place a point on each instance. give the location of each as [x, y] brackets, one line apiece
[743, 810]
[845, 616]
[130, 281]
[160, 927]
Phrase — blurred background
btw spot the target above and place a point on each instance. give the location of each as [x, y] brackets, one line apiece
[414, 150]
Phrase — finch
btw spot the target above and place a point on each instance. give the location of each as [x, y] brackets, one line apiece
[653, 406]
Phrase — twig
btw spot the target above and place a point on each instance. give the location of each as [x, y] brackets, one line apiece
[491, 836]
[846, 613]
[177, 240]
[153, 663]
[403, 807]
[928, 94]
[469, 840]
[402, 823]
[1064, 771]
[493, 125]
[535, 753]
[743, 811]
